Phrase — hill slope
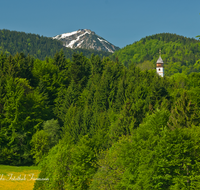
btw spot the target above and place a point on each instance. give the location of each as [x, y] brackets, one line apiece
[85, 38]
[178, 53]
[37, 46]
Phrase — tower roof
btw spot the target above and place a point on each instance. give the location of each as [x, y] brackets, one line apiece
[159, 60]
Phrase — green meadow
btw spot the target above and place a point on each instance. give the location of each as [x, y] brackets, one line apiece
[18, 177]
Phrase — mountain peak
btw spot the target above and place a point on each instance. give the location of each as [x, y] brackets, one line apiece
[85, 38]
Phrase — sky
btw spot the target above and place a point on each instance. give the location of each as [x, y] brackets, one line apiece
[121, 22]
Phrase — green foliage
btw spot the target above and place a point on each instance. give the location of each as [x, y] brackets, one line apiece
[55, 167]
[79, 69]
[97, 66]
[84, 165]
[17, 122]
[42, 141]
[146, 65]
[109, 172]
[154, 157]
[38, 46]
[40, 145]
[180, 54]
[77, 165]
[113, 127]
[184, 114]
[52, 128]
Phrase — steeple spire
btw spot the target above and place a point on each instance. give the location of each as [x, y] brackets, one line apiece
[159, 65]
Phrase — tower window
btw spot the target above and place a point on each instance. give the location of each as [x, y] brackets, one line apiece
[159, 69]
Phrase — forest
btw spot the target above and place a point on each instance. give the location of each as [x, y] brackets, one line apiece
[92, 123]
[96, 123]
[179, 53]
[12, 42]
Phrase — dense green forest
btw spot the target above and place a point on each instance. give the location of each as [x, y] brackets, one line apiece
[93, 123]
[180, 54]
[40, 47]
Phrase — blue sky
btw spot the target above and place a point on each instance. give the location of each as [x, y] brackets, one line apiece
[119, 22]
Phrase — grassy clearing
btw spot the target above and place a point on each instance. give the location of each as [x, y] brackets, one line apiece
[18, 178]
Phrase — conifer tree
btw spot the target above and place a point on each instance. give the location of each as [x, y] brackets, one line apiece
[184, 114]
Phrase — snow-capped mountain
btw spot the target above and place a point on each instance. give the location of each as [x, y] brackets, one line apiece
[85, 38]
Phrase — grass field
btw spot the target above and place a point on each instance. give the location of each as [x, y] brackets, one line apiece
[18, 178]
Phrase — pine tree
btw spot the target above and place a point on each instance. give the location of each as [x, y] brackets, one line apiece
[184, 114]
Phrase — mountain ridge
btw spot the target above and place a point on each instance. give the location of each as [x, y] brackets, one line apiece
[38, 46]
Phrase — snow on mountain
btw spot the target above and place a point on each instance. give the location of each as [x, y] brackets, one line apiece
[85, 38]
[102, 40]
[65, 35]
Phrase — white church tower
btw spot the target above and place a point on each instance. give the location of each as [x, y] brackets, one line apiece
[159, 66]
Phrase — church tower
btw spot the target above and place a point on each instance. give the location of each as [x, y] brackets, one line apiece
[159, 66]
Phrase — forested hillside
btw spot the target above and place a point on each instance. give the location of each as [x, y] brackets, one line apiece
[178, 53]
[40, 47]
[92, 123]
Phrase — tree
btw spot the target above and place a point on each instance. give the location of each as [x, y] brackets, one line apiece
[52, 128]
[42, 141]
[153, 157]
[40, 145]
[80, 69]
[146, 65]
[59, 60]
[184, 114]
